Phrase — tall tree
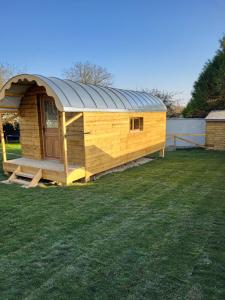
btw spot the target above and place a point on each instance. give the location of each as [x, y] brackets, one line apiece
[209, 89]
[89, 73]
[168, 98]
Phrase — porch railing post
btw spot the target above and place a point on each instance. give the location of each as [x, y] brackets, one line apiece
[65, 155]
[4, 158]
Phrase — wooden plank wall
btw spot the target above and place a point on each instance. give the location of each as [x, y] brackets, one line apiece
[75, 140]
[98, 140]
[215, 134]
[109, 142]
[29, 128]
[31, 133]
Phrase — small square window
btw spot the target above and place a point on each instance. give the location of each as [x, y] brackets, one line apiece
[136, 124]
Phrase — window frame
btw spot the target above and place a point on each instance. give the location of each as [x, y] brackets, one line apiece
[140, 124]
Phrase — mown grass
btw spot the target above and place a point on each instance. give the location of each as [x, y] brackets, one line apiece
[151, 232]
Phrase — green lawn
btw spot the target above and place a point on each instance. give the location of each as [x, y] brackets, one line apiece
[152, 232]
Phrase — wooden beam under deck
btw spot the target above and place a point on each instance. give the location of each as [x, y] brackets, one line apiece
[51, 170]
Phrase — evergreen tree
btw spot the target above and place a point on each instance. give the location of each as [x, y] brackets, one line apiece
[209, 90]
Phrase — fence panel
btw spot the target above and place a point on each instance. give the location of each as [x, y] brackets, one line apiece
[185, 127]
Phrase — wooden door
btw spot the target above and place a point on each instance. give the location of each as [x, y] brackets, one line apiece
[50, 125]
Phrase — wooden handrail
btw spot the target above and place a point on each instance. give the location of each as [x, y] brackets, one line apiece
[65, 154]
[74, 118]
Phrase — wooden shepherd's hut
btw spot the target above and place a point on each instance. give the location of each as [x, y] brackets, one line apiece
[70, 130]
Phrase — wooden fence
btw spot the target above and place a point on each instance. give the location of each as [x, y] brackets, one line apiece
[182, 137]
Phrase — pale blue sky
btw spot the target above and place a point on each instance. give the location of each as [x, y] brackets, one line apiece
[145, 44]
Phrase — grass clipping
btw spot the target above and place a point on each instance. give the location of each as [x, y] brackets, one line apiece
[134, 163]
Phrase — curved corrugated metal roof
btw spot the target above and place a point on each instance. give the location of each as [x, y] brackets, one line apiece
[75, 96]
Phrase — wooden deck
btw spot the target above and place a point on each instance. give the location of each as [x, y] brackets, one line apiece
[51, 169]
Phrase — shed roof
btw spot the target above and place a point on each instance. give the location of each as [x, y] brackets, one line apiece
[216, 115]
[74, 96]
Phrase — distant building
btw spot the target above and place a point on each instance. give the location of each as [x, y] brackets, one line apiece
[215, 130]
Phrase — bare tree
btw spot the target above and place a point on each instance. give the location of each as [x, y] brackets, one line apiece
[7, 71]
[174, 109]
[89, 73]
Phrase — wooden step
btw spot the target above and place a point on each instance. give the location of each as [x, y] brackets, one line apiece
[20, 181]
[25, 175]
[17, 177]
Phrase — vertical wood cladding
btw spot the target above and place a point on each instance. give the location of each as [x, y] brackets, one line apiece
[75, 140]
[29, 128]
[30, 131]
